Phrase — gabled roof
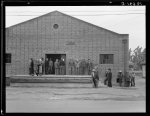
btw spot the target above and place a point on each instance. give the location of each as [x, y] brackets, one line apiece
[70, 17]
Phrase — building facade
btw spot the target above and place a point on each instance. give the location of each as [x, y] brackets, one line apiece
[59, 35]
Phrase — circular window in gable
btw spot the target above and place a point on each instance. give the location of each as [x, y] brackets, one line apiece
[55, 26]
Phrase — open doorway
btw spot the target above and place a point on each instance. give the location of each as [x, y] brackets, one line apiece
[54, 57]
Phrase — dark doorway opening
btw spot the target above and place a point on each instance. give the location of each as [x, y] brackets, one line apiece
[54, 57]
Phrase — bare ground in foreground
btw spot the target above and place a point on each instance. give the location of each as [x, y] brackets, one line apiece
[65, 97]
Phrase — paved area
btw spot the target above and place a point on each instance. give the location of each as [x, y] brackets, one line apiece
[67, 97]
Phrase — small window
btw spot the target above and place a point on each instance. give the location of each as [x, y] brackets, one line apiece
[106, 58]
[55, 26]
[8, 58]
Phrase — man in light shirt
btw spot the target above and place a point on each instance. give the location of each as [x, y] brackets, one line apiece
[95, 77]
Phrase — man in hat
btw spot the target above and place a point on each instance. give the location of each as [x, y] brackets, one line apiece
[95, 77]
[120, 78]
[109, 78]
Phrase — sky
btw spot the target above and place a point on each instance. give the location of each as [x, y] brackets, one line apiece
[120, 19]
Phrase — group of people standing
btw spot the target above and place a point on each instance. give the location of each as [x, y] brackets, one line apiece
[80, 67]
[108, 79]
[36, 67]
[126, 80]
[40, 67]
[59, 66]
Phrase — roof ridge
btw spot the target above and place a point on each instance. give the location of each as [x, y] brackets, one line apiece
[70, 17]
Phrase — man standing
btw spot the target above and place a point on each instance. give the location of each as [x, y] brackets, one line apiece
[77, 66]
[106, 77]
[120, 78]
[36, 66]
[56, 64]
[42, 63]
[50, 69]
[62, 66]
[40, 67]
[127, 79]
[31, 67]
[89, 66]
[132, 79]
[109, 75]
[46, 66]
[95, 77]
[71, 67]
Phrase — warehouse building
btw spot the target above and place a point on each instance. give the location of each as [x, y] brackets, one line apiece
[59, 35]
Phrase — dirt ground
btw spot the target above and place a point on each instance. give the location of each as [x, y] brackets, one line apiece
[67, 97]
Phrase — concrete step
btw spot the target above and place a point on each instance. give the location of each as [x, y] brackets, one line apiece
[51, 76]
[50, 79]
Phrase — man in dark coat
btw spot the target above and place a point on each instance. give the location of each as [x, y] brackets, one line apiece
[71, 67]
[62, 66]
[31, 67]
[109, 75]
[106, 77]
[120, 78]
[132, 79]
[95, 77]
[43, 67]
[46, 65]
[36, 66]
[50, 66]
[127, 79]
[56, 64]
